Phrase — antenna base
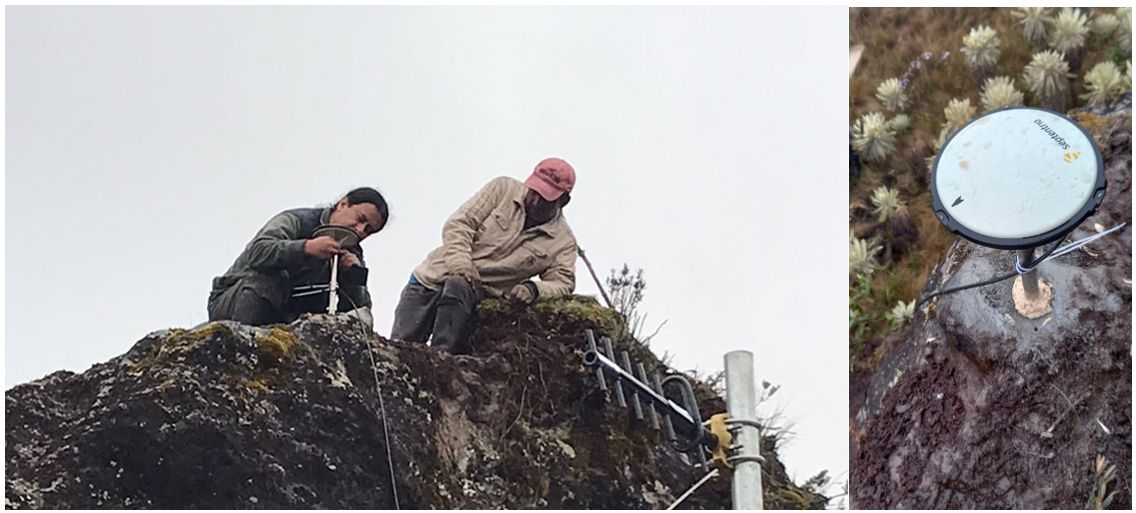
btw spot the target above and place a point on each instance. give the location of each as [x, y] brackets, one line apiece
[1032, 306]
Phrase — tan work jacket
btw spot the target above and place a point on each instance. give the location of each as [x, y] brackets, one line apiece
[488, 231]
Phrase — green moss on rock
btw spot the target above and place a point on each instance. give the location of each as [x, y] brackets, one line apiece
[569, 315]
[194, 337]
[277, 345]
[1100, 127]
[177, 343]
[580, 308]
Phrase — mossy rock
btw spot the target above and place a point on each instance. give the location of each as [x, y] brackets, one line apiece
[580, 309]
[565, 315]
[190, 338]
[177, 344]
[277, 345]
[1099, 126]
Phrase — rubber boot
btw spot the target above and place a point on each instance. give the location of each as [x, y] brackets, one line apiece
[450, 323]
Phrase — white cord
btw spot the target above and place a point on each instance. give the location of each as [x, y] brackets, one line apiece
[1064, 250]
[701, 482]
[379, 392]
[383, 411]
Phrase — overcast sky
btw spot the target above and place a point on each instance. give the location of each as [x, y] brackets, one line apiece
[145, 146]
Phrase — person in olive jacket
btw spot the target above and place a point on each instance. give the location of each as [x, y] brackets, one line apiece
[284, 272]
[503, 236]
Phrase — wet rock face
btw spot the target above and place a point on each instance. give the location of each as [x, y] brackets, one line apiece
[979, 407]
[230, 416]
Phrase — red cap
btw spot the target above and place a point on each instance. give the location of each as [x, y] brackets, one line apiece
[552, 178]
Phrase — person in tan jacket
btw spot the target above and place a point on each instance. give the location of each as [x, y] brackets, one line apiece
[507, 233]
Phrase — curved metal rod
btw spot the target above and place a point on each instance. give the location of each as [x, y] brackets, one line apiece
[691, 406]
[755, 459]
[743, 422]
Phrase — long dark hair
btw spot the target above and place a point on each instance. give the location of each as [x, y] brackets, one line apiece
[369, 195]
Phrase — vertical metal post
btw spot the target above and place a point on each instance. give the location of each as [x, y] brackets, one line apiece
[668, 424]
[1029, 280]
[333, 292]
[741, 403]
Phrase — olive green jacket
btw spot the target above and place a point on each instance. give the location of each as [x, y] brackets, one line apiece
[487, 232]
[275, 259]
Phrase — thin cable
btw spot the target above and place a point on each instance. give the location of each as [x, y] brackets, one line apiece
[1053, 252]
[697, 485]
[386, 434]
[379, 391]
[1022, 269]
[1077, 245]
[991, 281]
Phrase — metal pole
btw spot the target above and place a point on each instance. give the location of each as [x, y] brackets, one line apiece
[658, 397]
[741, 403]
[594, 277]
[333, 297]
[1029, 280]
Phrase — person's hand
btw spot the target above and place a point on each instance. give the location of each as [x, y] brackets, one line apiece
[520, 293]
[471, 275]
[348, 259]
[322, 248]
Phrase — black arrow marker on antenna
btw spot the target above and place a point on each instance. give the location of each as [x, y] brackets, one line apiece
[957, 201]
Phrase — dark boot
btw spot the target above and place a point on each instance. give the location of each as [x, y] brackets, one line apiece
[450, 328]
[454, 317]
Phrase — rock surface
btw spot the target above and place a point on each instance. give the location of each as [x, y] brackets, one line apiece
[230, 416]
[978, 407]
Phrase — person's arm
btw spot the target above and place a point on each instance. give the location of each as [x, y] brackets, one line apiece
[560, 278]
[278, 245]
[462, 226]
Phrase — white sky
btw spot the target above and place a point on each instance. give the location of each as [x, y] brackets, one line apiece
[145, 146]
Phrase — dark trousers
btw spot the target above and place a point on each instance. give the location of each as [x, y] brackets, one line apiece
[252, 300]
[446, 313]
[262, 299]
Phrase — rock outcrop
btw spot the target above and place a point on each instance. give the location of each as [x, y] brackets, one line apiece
[231, 416]
[976, 406]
